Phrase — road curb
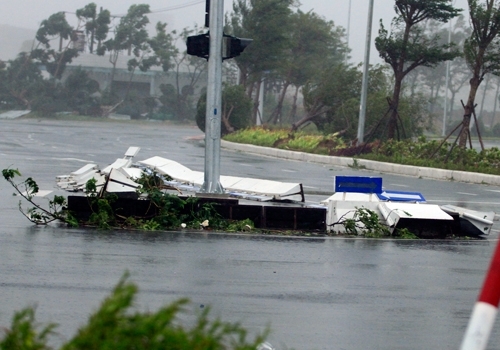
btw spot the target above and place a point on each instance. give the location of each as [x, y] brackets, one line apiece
[382, 167]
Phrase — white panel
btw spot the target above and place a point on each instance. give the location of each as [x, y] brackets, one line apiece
[84, 169]
[119, 163]
[415, 211]
[132, 152]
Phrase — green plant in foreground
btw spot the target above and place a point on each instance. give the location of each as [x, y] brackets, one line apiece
[115, 325]
[23, 333]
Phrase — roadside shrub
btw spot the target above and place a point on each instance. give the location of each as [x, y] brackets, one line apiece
[115, 325]
[236, 110]
[418, 152]
[258, 136]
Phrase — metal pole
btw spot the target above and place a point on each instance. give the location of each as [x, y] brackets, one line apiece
[214, 101]
[366, 65]
[348, 30]
[445, 112]
[260, 114]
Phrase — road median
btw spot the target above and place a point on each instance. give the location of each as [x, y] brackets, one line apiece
[382, 167]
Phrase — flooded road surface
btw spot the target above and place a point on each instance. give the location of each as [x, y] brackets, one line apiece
[313, 293]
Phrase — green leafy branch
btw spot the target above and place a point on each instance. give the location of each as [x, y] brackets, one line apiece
[365, 222]
[37, 214]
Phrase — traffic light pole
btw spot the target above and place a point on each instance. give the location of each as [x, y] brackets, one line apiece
[214, 101]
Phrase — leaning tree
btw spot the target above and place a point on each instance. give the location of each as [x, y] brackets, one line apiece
[482, 53]
[408, 46]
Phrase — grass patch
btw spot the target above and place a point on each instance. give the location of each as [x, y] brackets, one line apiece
[420, 152]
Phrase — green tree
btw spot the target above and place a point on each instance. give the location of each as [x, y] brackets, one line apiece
[268, 24]
[96, 24]
[459, 72]
[55, 61]
[408, 47]
[329, 92]
[163, 48]
[236, 110]
[179, 99]
[315, 43]
[21, 82]
[482, 52]
[80, 93]
[130, 35]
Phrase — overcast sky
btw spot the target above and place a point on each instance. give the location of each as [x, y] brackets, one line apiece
[182, 13]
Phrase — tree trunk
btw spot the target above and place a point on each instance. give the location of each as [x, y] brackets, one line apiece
[243, 77]
[477, 77]
[432, 100]
[494, 114]
[486, 86]
[469, 107]
[436, 95]
[113, 59]
[293, 111]
[393, 121]
[256, 103]
[452, 102]
[279, 108]
[225, 119]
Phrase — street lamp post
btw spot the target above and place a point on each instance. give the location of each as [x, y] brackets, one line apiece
[366, 65]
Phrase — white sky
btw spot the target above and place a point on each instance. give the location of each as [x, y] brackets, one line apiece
[29, 14]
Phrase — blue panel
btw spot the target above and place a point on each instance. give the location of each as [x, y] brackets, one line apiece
[359, 184]
[400, 196]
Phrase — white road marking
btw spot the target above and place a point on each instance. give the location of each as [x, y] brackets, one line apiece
[399, 185]
[75, 159]
[467, 194]
[448, 201]
[289, 171]
[496, 191]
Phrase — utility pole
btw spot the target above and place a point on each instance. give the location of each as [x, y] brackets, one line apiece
[214, 101]
[210, 46]
[348, 30]
[364, 87]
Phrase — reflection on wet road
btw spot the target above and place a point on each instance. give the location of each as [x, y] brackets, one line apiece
[314, 293]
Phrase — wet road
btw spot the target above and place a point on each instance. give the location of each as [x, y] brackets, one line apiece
[314, 293]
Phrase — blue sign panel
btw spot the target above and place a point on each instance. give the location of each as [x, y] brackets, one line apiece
[400, 196]
[359, 184]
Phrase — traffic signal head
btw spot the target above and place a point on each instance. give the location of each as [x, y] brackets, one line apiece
[198, 45]
[233, 46]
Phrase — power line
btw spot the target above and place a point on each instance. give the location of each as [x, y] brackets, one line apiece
[176, 7]
[171, 8]
[164, 9]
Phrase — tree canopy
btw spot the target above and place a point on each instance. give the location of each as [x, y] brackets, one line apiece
[408, 46]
